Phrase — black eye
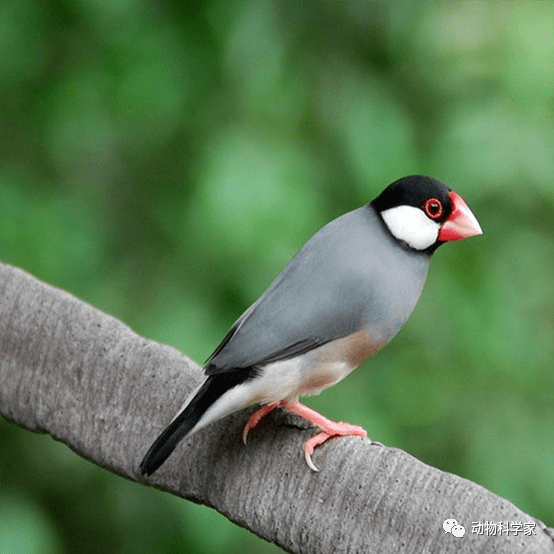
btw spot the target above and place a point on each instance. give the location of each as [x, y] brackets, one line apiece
[433, 208]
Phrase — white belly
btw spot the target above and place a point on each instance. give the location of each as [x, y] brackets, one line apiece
[289, 379]
[314, 371]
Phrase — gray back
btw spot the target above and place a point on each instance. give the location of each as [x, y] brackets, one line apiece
[351, 275]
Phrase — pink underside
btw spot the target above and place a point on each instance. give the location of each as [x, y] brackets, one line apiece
[328, 428]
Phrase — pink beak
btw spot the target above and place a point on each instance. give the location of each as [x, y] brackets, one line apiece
[461, 223]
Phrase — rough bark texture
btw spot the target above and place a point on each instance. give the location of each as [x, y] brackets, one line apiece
[80, 375]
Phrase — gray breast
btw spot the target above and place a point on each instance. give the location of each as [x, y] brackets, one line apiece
[375, 281]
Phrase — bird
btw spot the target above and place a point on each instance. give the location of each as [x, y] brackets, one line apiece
[340, 299]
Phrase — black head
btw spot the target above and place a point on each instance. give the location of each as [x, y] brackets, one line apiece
[422, 213]
[414, 191]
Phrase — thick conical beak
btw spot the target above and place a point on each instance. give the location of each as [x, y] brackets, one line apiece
[461, 223]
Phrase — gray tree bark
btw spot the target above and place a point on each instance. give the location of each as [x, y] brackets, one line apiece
[80, 375]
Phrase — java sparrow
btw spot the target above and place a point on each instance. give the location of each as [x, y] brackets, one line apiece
[343, 296]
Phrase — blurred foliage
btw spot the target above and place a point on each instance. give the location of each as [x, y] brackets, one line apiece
[163, 161]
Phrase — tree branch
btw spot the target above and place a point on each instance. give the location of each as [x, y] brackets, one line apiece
[80, 375]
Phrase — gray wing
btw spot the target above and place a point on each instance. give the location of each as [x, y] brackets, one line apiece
[349, 276]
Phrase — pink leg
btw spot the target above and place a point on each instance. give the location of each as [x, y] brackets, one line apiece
[328, 427]
[254, 419]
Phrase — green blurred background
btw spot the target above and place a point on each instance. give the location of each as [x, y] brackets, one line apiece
[163, 160]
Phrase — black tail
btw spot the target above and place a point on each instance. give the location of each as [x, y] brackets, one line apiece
[213, 388]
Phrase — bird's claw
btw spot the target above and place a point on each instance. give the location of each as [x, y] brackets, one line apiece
[311, 465]
[331, 428]
[254, 419]
[312, 443]
[245, 433]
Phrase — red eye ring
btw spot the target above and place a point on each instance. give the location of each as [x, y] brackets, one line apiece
[433, 208]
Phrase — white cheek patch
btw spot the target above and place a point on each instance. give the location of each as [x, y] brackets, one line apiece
[411, 225]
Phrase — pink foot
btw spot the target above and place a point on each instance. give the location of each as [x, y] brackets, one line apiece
[255, 418]
[328, 428]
